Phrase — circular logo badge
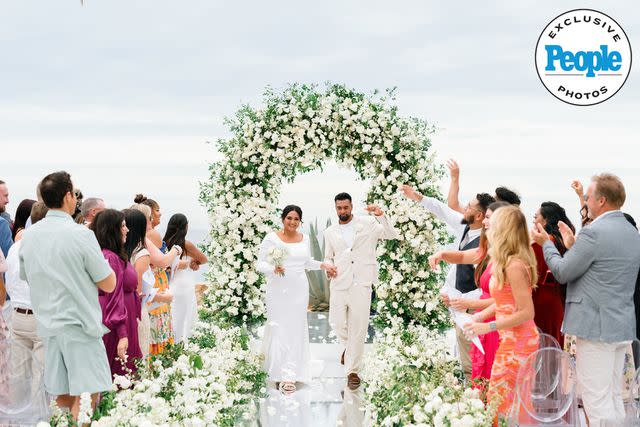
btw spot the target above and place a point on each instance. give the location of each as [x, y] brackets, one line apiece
[583, 57]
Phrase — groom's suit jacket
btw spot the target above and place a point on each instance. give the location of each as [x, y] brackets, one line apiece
[357, 265]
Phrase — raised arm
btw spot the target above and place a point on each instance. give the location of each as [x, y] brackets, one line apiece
[454, 186]
[443, 212]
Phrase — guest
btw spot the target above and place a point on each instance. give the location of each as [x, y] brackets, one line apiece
[140, 258]
[548, 297]
[481, 364]
[600, 270]
[514, 274]
[77, 215]
[184, 308]
[120, 308]
[636, 292]
[5, 236]
[23, 212]
[467, 228]
[4, 201]
[90, 208]
[503, 194]
[159, 313]
[29, 355]
[64, 267]
[4, 332]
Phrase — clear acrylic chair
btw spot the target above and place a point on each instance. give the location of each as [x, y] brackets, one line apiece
[546, 390]
[23, 399]
[547, 340]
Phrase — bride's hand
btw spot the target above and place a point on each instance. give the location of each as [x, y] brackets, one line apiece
[331, 269]
[279, 270]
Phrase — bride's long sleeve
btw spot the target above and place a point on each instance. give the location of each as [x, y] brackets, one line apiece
[262, 266]
[311, 264]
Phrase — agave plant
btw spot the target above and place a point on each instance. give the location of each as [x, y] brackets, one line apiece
[318, 282]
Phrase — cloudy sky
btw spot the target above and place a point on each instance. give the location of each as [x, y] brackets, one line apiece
[125, 95]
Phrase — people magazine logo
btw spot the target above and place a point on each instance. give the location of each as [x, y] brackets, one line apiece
[583, 57]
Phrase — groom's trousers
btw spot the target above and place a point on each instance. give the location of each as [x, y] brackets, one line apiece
[349, 319]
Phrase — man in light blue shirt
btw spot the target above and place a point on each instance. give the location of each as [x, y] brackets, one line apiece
[63, 264]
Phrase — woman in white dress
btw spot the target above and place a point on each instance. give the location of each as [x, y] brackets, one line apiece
[184, 310]
[286, 338]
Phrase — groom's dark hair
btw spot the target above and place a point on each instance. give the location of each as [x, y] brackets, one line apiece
[342, 196]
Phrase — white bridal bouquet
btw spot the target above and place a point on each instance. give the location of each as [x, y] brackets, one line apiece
[276, 257]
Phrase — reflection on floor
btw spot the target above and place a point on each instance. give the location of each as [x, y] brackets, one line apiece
[326, 401]
[320, 330]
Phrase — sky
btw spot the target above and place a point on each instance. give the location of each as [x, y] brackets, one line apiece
[126, 95]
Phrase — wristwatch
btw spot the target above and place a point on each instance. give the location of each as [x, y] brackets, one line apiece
[493, 326]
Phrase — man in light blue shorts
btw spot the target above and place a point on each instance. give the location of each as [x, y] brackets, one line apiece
[63, 264]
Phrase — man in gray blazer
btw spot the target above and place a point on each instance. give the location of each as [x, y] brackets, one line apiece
[600, 270]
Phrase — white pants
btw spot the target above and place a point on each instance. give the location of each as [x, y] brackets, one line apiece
[599, 366]
[349, 319]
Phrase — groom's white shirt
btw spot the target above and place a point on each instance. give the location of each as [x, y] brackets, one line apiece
[357, 264]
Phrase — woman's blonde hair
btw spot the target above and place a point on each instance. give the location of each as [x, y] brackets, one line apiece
[145, 209]
[509, 238]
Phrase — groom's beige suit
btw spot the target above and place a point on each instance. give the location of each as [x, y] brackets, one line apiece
[350, 299]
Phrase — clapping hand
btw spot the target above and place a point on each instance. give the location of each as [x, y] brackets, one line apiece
[473, 329]
[194, 265]
[410, 193]
[568, 238]
[539, 234]
[454, 169]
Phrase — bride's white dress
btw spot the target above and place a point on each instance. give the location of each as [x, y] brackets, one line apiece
[184, 309]
[285, 344]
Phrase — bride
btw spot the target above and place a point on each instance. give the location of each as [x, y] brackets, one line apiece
[286, 336]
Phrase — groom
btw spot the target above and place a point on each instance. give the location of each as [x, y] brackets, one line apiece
[351, 246]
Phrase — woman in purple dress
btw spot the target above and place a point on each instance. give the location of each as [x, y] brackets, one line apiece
[120, 308]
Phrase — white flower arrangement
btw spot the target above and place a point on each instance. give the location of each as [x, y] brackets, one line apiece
[212, 381]
[276, 256]
[413, 379]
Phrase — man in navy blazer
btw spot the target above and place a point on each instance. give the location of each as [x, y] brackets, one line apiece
[600, 270]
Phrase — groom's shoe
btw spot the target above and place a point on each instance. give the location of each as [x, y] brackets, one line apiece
[342, 357]
[353, 381]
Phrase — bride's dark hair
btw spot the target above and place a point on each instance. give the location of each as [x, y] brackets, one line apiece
[290, 208]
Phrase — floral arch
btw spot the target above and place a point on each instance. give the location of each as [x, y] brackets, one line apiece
[294, 132]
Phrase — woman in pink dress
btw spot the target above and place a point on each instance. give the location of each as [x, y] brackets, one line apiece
[481, 364]
[120, 308]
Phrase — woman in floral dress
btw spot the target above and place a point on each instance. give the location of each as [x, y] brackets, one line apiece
[513, 277]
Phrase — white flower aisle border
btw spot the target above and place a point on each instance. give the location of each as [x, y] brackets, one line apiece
[412, 379]
[214, 380]
[296, 131]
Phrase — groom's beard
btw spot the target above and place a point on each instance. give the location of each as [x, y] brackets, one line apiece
[344, 218]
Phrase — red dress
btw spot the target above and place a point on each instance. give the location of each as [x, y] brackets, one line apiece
[481, 363]
[548, 299]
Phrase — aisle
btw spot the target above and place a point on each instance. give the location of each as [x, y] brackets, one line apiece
[326, 401]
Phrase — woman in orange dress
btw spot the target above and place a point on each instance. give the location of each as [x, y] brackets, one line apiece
[513, 277]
